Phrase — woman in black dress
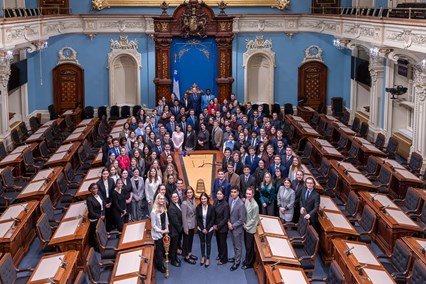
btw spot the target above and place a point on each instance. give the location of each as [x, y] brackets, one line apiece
[190, 138]
[119, 209]
[96, 211]
[128, 192]
[203, 137]
[221, 209]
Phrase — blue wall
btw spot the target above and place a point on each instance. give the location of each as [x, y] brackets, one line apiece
[382, 3]
[289, 54]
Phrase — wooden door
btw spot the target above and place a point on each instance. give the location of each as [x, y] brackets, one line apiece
[54, 7]
[325, 6]
[313, 83]
[68, 87]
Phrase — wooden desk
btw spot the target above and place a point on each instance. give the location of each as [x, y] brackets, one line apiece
[305, 112]
[392, 222]
[136, 234]
[72, 234]
[83, 189]
[88, 121]
[360, 255]
[38, 136]
[76, 210]
[333, 225]
[418, 246]
[301, 127]
[75, 115]
[366, 149]
[41, 184]
[401, 178]
[50, 268]
[48, 123]
[120, 122]
[66, 153]
[271, 249]
[116, 131]
[80, 134]
[97, 161]
[271, 226]
[341, 129]
[285, 274]
[16, 237]
[15, 158]
[130, 262]
[327, 203]
[352, 179]
[322, 148]
[307, 173]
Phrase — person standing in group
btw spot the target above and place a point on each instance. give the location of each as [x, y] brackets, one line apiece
[252, 219]
[175, 226]
[119, 210]
[205, 221]
[221, 209]
[219, 182]
[138, 189]
[96, 211]
[237, 218]
[188, 222]
[160, 227]
[267, 195]
[106, 186]
[286, 197]
[151, 184]
[297, 185]
[310, 202]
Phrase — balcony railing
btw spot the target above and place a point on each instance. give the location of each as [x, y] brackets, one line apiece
[34, 12]
[416, 13]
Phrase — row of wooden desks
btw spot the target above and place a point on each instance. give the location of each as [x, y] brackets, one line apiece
[366, 148]
[64, 154]
[301, 127]
[333, 225]
[322, 148]
[17, 229]
[392, 222]
[81, 133]
[15, 158]
[39, 135]
[92, 176]
[41, 184]
[359, 264]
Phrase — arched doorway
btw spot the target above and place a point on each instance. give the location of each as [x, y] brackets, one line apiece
[124, 73]
[259, 78]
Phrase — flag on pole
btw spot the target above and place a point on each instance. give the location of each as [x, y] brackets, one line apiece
[176, 82]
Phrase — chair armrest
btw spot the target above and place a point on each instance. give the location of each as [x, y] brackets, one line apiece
[21, 178]
[318, 280]
[305, 257]
[399, 201]
[111, 248]
[28, 269]
[290, 225]
[107, 263]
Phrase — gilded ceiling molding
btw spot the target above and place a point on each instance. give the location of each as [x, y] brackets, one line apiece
[213, 3]
[282, 4]
[100, 4]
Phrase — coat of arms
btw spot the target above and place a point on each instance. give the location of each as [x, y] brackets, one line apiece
[194, 21]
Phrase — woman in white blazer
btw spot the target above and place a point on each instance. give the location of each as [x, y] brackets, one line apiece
[285, 199]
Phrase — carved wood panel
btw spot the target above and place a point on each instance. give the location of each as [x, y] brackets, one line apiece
[54, 7]
[313, 83]
[68, 87]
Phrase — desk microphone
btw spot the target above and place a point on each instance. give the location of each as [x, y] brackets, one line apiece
[275, 264]
[262, 237]
[348, 252]
[374, 196]
[63, 263]
[423, 250]
[23, 206]
[15, 219]
[144, 258]
[142, 277]
[83, 219]
[360, 269]
[51, 280]
[384, 208]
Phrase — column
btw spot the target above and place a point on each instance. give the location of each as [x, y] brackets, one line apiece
[5, 57]
[376, 68]
[419, 131]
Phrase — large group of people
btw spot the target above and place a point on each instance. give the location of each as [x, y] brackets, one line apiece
[260, 173]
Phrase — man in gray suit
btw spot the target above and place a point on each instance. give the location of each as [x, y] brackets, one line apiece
[237, 218]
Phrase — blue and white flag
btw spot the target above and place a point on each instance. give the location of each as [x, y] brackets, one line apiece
[176, 83]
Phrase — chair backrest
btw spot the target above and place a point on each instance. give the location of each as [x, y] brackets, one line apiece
[321, 108]
[136, 109]
[68, 172]
[345, 118]
[34, 123]
[423, 215]
[101, 235]
[52, 112]
[86, 146]
[28, 157]
[335, 274]
[23, 128]
[288, 109]
[81, 278]
[392, 147]
[325, 166]
[412, 199]
[81, 155]
[363, 131]
[61, 183]
[353, 151]
[302, 226]
[315, 118]
[372, 165]
[416, 162]
[321, 126]
[418, 275]
[46, 207]
[307, 152]
[266, 109]
[7, 177]
[8, 273]
[114, 112]
[92, 266]
[384, 176]
[277, 109]
[44, 231]
[337, 105]
[329, 131]
[311, 241]
[343, 141]
[15, 137]
[352, 203]
[89, 112]
[401, 256]
[125, 111]
[290, 133]
[355, 124]
[333, 179]
[368, 218]
[44, 150]
[102, 112]
[380, 141]
[69, 123]
[3, 151]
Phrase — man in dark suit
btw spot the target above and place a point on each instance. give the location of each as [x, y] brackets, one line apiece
[171, 125]
[287, 159]
[175, 228]
[277, 165]
[246, 181]
[297, 185]
[195, 97]
[192, 119]
[158, 147]
[237, 218]
[186, 102]
[226, 159]
[309, 202]
[219, 182]
[252, 160]
[238, 164]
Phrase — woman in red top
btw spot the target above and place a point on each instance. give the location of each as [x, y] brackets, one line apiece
[123, 159]
[212, 108]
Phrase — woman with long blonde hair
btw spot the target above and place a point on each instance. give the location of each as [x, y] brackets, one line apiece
[296, 165]
[160, 227]
[151, 184]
